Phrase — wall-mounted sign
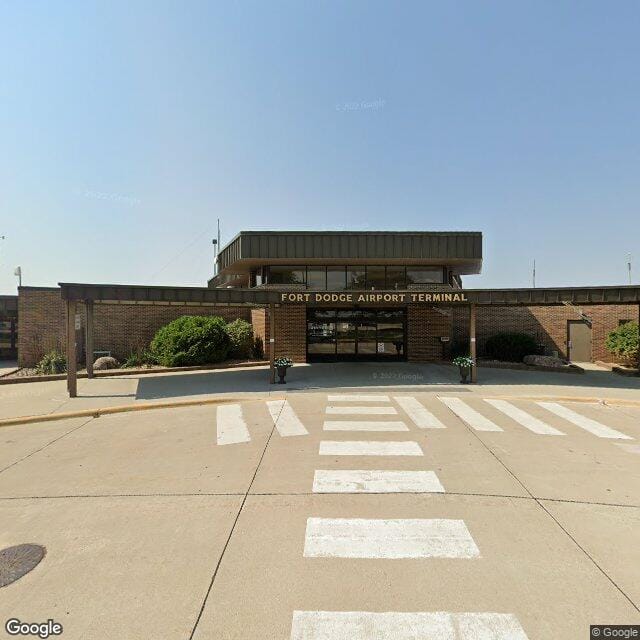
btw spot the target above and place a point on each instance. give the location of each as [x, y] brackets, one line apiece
[373, 297]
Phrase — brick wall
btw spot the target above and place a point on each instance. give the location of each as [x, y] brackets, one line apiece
[291, 332]
[425, 326]
[119, 328]
[260, 323]
[548, 325]
[41, 323]
[123, 328]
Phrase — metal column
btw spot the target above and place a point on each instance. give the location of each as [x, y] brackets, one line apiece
[72, 356]
[272, 344]
[473, 352]
[88, 343]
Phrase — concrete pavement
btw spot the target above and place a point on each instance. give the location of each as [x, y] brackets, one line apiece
[203, 522]
[45, 398]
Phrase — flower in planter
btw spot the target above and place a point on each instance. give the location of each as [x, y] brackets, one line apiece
[283, 362]
[465, 362]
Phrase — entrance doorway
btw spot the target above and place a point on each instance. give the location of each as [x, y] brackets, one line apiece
[579, 341]
[356, 334]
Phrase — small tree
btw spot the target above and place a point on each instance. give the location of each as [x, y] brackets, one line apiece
[623, 342]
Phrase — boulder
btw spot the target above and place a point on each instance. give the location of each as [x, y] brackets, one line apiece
[106, 362]
[544, 361]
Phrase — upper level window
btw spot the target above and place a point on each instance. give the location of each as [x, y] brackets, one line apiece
[287, 275]
[424, 275]
[356, 278]
[395, 277]
[336, 278]
[316, 278]
[375, 277]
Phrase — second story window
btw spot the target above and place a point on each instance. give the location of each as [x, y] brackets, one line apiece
[425, 275]
[287, 275]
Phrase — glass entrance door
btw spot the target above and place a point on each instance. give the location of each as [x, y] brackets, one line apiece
[356, 334]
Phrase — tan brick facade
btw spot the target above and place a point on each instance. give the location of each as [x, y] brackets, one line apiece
[123, 328]
[119, 328]
[425, 327]
[547, 324]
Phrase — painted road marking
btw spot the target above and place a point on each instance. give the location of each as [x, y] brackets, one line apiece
[523, 418]
[369, 448]
[285, 419]
[231, 425]
[418, 413]
[375, 481]
[631, 448]
[357, 397]
[391, 625]
[597, 429]
[371, 411]
[364, 425]
[389, 539]
[469, 415]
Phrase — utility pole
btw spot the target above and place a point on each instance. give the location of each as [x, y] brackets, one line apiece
[629, 267]
[18, 272]
[534, 274]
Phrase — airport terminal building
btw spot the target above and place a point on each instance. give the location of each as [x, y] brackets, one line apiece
[330, 296]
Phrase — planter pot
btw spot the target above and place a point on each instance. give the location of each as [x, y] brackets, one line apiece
[465, 372]
[282, 372]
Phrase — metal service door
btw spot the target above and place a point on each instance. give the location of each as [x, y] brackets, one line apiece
[579, 341]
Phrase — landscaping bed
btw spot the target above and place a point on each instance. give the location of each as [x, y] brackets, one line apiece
[28, 374]
[521, 366]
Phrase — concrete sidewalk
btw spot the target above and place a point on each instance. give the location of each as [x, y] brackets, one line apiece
[44, 398]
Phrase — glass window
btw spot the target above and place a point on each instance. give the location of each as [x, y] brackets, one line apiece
[375, 277]
[395, 278]
[335, 278]
[287, 275]
[356, 278]
[316, 278]
[424, 275]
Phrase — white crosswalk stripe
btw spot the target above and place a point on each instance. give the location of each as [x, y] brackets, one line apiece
[364, 425]
[369, 448]
[523, 418]
[592, 426]
[375, 481]
[390, 625]
[469, 415]
[357, 397]
[230, 424]
[285, 419]
[365, 411]
[418, 413]
[389, 539]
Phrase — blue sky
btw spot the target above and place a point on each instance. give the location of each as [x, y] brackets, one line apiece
[127, 128]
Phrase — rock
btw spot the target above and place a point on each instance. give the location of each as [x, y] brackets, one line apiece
[544, 361]
[106, 362]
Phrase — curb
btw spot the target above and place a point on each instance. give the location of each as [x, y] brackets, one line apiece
[585, 400]
[96, 413]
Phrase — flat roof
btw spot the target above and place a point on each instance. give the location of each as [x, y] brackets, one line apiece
[462, 250]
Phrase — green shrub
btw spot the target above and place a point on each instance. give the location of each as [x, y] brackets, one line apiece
[190, 341]
[52, 363]
[511, 347]
[140, 358]
[240, 334]
[623, 342]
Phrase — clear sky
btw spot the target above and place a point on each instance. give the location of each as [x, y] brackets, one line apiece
[127, 128]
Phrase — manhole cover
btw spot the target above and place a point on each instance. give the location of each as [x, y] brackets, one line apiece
[19, 560]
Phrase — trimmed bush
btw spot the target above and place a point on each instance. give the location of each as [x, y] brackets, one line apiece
[139, 359]
[52, 363]
[510, 347]
[623, 342]
[240, 334]
[191, 341]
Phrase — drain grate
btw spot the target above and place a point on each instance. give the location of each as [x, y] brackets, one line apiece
[18, 561]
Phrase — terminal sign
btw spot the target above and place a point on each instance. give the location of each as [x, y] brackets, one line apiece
[373, 297]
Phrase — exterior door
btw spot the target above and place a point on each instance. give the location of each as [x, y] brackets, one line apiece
[579, 341]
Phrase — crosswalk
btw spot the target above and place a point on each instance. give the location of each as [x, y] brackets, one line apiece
[391, 429]
[370, 413]
[390, 539]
